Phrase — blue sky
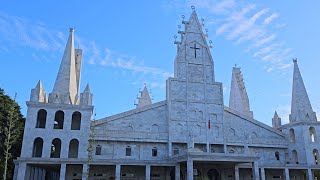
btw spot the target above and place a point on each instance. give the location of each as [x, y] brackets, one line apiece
[126, 44]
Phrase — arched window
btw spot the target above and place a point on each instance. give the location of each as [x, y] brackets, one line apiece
[41, 118]
[277, 155]
[155, 128]
[154, 151]
[76, 121]
[98, 150]
[295, 156]
[312, 134]
[175, 151]
[37, 147]
[55, 148]
[58, 120]
[316, 156]
[128, 151]
[73, 148]
[292, 136]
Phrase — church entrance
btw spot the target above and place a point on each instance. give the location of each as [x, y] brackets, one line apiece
[213, 174]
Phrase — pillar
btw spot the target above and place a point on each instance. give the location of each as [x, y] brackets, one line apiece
[36, 173]
[255, 171]
[63, 171]
[189, 169]
[85, 173]
[287, 174]
[118, 171]
[16, 170]
[148, 171]
[170, 148]
[263, 174]
[310, 175]
[177, 172]
[236, 173]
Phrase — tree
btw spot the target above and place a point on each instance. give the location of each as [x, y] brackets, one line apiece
[11, 132]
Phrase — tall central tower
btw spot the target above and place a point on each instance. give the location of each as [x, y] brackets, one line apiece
[195, 100]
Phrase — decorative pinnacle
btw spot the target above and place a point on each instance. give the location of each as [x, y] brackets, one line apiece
[210, 42]
[295, 60]
[71, 29]
[202, 20]
[193, 7]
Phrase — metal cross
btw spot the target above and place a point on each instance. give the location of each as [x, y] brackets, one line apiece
[195, 49]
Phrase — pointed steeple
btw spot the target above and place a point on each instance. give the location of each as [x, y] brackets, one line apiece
[193, 59]
[301, 109]
[239, 100]
[276, 121]
[66, 86]
[144, 98]
[38, 94]
[86, 97]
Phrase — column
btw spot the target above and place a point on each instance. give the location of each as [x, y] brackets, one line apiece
[286, 173]
[63, 171]
[31, 172]
[263, 174]
[170, 148]
[16, 170]
[177, 171]
[310, 175]
[189, 169]
[118, 171]
[148, 171]
[236, 173]
[43, 174]
[85, 173]
[255, 171]
[208, 148]
[36, 174]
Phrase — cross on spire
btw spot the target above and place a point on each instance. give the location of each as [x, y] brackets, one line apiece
[195, 49]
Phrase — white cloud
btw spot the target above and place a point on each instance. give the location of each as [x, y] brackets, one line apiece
[270, 18]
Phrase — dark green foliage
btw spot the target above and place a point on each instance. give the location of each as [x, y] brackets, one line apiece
[11, 122]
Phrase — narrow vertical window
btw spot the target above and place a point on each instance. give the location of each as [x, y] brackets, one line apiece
[292, 136]
[312, 134]
[41, 118]
[128, 151]
[277, 155]
[73, 148]
[154, 151]
[98, 150]
[316, 156]
[76, 121]
[37, 147]
[58, 120]
[295, 156]
[55, 148]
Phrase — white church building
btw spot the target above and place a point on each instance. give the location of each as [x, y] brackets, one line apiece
[189, 135]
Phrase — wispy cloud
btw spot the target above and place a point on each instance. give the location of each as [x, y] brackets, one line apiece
[250, 25]
[270, 18]
[19, 32]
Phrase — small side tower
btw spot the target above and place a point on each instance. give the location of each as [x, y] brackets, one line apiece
[303, 126]
[276, 121]
[38, 94]
[56, 134]
[144, 98]
[239, 100]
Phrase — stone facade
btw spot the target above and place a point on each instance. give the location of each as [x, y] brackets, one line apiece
[190, 135]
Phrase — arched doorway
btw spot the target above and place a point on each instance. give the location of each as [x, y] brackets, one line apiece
[213, 174]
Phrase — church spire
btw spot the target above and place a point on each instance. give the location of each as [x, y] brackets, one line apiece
[66, 86]
[193, 59]
[38, 94]
[144, 98]
[239, 100]
[301, 109]
[276, 121]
